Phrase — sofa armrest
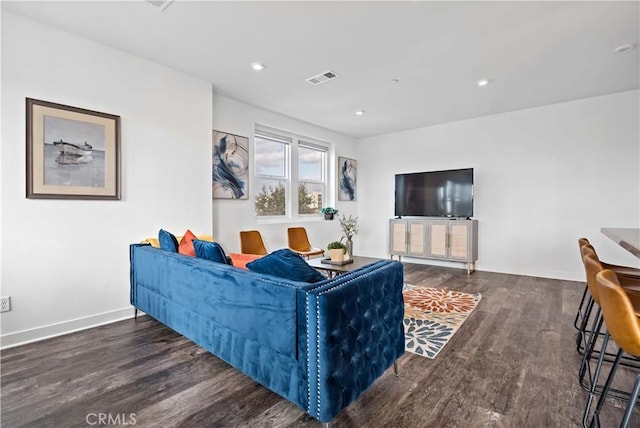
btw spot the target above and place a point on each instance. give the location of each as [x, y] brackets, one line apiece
[355, 333]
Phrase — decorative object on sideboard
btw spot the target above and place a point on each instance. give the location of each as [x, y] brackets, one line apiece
[349, 228]
[230, 166]
[328, 212]
[347, 179]
[337, 250]
[72, 153]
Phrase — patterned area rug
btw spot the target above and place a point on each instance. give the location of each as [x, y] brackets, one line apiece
[432, 316]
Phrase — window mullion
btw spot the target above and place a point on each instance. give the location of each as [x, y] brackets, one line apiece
[294, 178]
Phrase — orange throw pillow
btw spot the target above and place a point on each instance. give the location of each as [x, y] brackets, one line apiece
[241, 260]
[186, 244]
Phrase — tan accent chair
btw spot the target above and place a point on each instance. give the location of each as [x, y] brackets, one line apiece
[251, 243]
[299, 243]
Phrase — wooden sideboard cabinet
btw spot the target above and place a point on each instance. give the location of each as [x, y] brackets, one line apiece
[435, 238]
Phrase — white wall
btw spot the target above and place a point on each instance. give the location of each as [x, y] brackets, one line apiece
[543, 178]
[64, 262]
[232, 216]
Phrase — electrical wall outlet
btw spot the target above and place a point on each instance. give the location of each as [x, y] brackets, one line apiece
[5, 304]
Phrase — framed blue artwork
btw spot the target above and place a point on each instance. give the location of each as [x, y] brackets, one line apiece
[230, 166]
[347, 179]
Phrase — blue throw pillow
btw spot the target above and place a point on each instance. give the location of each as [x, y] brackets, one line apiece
[210, 251]
[286, 264]
[168, 242]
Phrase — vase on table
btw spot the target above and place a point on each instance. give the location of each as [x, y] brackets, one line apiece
[349, 247]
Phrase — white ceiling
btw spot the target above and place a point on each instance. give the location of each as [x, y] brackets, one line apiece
[535, 53]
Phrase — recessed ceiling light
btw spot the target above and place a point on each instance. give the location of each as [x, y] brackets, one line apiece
[482, 82]
[624, 48]
[360, 112]
[395, 81]
[257, 66]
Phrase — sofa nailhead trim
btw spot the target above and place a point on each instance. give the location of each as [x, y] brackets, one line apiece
[318, 349]
[308, 356]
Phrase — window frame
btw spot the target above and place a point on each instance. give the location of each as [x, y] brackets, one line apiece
[292, 173]
[286, 178]
[324, 173]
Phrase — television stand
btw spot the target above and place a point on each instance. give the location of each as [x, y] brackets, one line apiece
[448, 239]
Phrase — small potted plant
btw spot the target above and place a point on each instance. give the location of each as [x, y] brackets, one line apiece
[328, 212]
[337, 250]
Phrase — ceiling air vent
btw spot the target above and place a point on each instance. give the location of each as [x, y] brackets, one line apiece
[162, 4]
[322, 78]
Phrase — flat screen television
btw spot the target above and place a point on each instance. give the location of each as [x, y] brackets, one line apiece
[435, 193]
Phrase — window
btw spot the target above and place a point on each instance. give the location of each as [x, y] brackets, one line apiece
[284, 162]
[272, 175]
[311, 178]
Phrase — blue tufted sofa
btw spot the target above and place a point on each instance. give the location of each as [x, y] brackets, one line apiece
[318, 345]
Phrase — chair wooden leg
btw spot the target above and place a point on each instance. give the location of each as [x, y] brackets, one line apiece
[395, 368]
[325, 425]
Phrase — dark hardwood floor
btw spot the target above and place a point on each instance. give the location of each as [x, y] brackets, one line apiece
[512, 364]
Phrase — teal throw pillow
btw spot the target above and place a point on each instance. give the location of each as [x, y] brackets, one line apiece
[285, 264]
[210, 251]
[168, 241]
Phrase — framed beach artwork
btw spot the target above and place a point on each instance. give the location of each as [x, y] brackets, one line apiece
[347, 179]
[72, 153]
[230, 166]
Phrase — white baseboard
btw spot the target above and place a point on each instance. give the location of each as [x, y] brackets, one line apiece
[23, 337]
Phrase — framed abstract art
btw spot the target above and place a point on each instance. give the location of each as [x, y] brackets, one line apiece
[347, 179]
[230, 166]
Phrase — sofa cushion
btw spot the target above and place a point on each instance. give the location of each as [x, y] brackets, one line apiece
[286, 264]
[186, 244]
[154, 242]
[240, 260]
[168, 241]
[209, 251]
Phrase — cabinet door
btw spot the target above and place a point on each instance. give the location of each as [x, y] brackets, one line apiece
[437, 239]
[417, 245]
[398, 237]
[459, 241]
